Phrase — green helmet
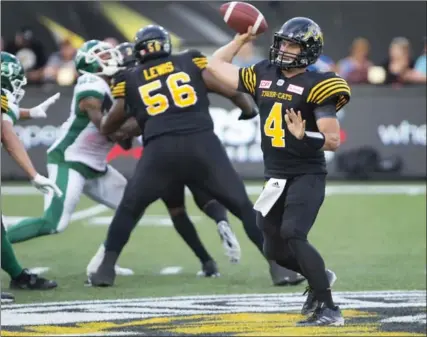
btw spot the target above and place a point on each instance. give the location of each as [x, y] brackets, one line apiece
[98, 58]
[12, 75]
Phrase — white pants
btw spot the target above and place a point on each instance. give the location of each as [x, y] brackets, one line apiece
[107, 189]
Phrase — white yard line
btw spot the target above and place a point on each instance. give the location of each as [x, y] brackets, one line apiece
[79, 215]
[171, 270]
[252, 189]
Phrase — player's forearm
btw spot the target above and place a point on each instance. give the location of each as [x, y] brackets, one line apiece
[131, 128]
[245, 103]
[16, 149]
[332, 142]
[226, 53]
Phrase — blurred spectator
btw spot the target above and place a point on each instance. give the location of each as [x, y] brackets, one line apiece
[354, 68]
[419, 73]
[323, 64]
[420, 64]
[30, 52]
[246, 56]
[111, 40]
[399, 61]
[60, 67]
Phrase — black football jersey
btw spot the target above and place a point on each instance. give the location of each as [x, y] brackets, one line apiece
[284, 155]
[166, 95]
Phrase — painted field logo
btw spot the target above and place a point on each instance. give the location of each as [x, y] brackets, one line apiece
[382, 313]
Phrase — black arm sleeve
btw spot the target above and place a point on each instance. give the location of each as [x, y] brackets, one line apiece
[326, 110]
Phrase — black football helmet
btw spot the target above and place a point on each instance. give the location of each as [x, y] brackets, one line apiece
[152, 42]
[126, 49]
[306, 33]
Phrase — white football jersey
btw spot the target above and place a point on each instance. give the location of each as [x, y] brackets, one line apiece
[80, 140]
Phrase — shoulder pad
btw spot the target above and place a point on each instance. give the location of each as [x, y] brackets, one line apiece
[328, 86]
[118, 77]
[197, 57]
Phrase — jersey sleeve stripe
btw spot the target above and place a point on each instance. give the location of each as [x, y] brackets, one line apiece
[343, 101]
[249, 79]
[118, 90]
[200, 62]
[330, 92]
[319, 88]
[4, 103]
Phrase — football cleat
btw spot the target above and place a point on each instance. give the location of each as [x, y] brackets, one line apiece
[284, 277]
[229, 241]
[7, 298]
[209, 269]
[311, 303]
[29, 281]
[324, 316]
[105, 274]
[97, 259]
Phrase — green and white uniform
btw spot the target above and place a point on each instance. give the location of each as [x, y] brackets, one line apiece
[77, 163]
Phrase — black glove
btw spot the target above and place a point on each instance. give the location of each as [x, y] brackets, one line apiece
[125, 144]
[251, 115]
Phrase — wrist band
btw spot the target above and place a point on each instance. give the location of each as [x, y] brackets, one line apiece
[315, 140]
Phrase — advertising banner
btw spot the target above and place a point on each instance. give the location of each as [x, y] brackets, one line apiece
[390, 122]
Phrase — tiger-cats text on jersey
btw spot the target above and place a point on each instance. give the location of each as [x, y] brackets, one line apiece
[284, 155]
[166, 95]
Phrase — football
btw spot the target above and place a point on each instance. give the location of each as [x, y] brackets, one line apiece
[240, 15]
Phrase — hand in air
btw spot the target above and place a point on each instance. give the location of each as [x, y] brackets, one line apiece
[246, 37]
[295, 123]
[39, 111]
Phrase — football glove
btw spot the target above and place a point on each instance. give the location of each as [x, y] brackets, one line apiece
[40, 110]
[251, 115]
[44, 184]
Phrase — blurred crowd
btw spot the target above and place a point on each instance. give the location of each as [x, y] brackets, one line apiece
[404, 64]
[41, 68]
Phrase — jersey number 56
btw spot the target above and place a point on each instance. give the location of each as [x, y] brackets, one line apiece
[183, 95]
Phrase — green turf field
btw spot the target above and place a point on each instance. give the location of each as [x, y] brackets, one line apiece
[372, 241]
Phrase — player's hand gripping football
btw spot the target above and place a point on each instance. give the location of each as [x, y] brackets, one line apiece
[39, 111]
[44, 184]
[241, 39]
[295, 123]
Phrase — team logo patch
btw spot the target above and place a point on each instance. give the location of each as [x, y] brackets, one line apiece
[265, 84]
[295, 89]
[377, 313]
[280, 82]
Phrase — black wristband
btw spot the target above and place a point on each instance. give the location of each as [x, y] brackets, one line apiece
[315, 140]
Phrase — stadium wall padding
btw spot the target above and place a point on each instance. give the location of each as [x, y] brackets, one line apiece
[390, 121]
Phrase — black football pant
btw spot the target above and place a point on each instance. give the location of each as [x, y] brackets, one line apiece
[172, 161]
[286, 226]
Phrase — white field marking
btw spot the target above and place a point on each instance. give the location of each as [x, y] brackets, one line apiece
[79, 215]
[157, 220]
[252, 189]
[171, 270]
[38, 270]
[88, 212]
[406, 319]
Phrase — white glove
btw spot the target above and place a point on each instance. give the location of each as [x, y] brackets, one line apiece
[43, 184]
[40, 110]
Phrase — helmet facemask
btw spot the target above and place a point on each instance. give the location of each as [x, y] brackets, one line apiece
[105, 57]
[13, 79]
[286, 60]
